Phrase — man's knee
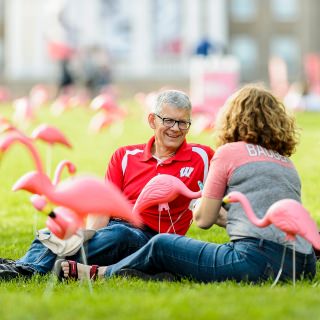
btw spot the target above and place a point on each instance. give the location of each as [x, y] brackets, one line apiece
[161, 241]
[117, 234]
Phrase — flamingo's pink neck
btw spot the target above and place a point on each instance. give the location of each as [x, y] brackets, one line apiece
[60, 167]
[191, 194]
[248, 210]
[15, 137]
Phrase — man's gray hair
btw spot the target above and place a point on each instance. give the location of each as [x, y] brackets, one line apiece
[174, 98]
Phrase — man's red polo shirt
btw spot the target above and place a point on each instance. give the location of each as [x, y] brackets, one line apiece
[131, 167]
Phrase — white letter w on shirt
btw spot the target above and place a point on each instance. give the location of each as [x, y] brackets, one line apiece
[186, 171]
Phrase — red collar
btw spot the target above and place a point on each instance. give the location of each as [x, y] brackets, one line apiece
[182, 154]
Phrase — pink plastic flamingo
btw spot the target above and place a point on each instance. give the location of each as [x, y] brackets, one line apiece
[82, 195]
[51, 136]
[288, 215]
[104, 101]
[161, 190]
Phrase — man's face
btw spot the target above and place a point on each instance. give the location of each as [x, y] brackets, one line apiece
[166, 137]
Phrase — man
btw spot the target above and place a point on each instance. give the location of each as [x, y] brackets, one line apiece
[130, 168]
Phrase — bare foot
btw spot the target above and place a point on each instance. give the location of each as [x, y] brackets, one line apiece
[83, 270]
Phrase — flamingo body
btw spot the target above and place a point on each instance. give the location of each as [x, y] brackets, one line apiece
[162, 189]
[50, 135]
[33, 182]
[104, 101]
[287, 214]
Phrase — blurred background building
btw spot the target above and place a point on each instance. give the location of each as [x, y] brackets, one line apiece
[155, 39]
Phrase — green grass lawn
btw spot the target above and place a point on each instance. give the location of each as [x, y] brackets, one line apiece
[134, 299]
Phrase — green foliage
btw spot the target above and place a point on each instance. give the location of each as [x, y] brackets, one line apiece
[118, 298]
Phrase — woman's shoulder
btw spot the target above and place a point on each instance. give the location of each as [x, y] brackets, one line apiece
[231, 147]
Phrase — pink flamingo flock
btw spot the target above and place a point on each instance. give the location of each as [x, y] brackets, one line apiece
[79, 196]
[82, 195]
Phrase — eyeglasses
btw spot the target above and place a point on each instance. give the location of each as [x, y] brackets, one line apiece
[169, 123]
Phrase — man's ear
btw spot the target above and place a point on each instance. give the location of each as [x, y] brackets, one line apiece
[152, 120]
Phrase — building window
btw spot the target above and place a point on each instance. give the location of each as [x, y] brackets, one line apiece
[117, 29]
[167, 27]
[287, 48]
[285, 10]
[245, 48]
[244, 10]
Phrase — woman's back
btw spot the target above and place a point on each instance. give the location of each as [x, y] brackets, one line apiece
[265, 177]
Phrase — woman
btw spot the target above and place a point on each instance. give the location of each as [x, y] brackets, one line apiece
[255, 137]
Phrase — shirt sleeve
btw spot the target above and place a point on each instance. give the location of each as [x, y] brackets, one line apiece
[217, 179]
[210, 153]
[114, 170]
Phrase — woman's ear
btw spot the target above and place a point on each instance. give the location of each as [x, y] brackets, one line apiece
[152, 120]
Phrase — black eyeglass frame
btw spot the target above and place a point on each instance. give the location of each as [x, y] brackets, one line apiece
[169, 123]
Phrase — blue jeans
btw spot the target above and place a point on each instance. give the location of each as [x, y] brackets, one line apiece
[109, 245]
[248, 259]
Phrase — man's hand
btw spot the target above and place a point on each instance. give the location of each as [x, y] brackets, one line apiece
[66, 247]
[206, 213]
[95, 222]
[194, 204]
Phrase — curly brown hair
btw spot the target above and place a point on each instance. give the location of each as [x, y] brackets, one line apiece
[254, 115]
